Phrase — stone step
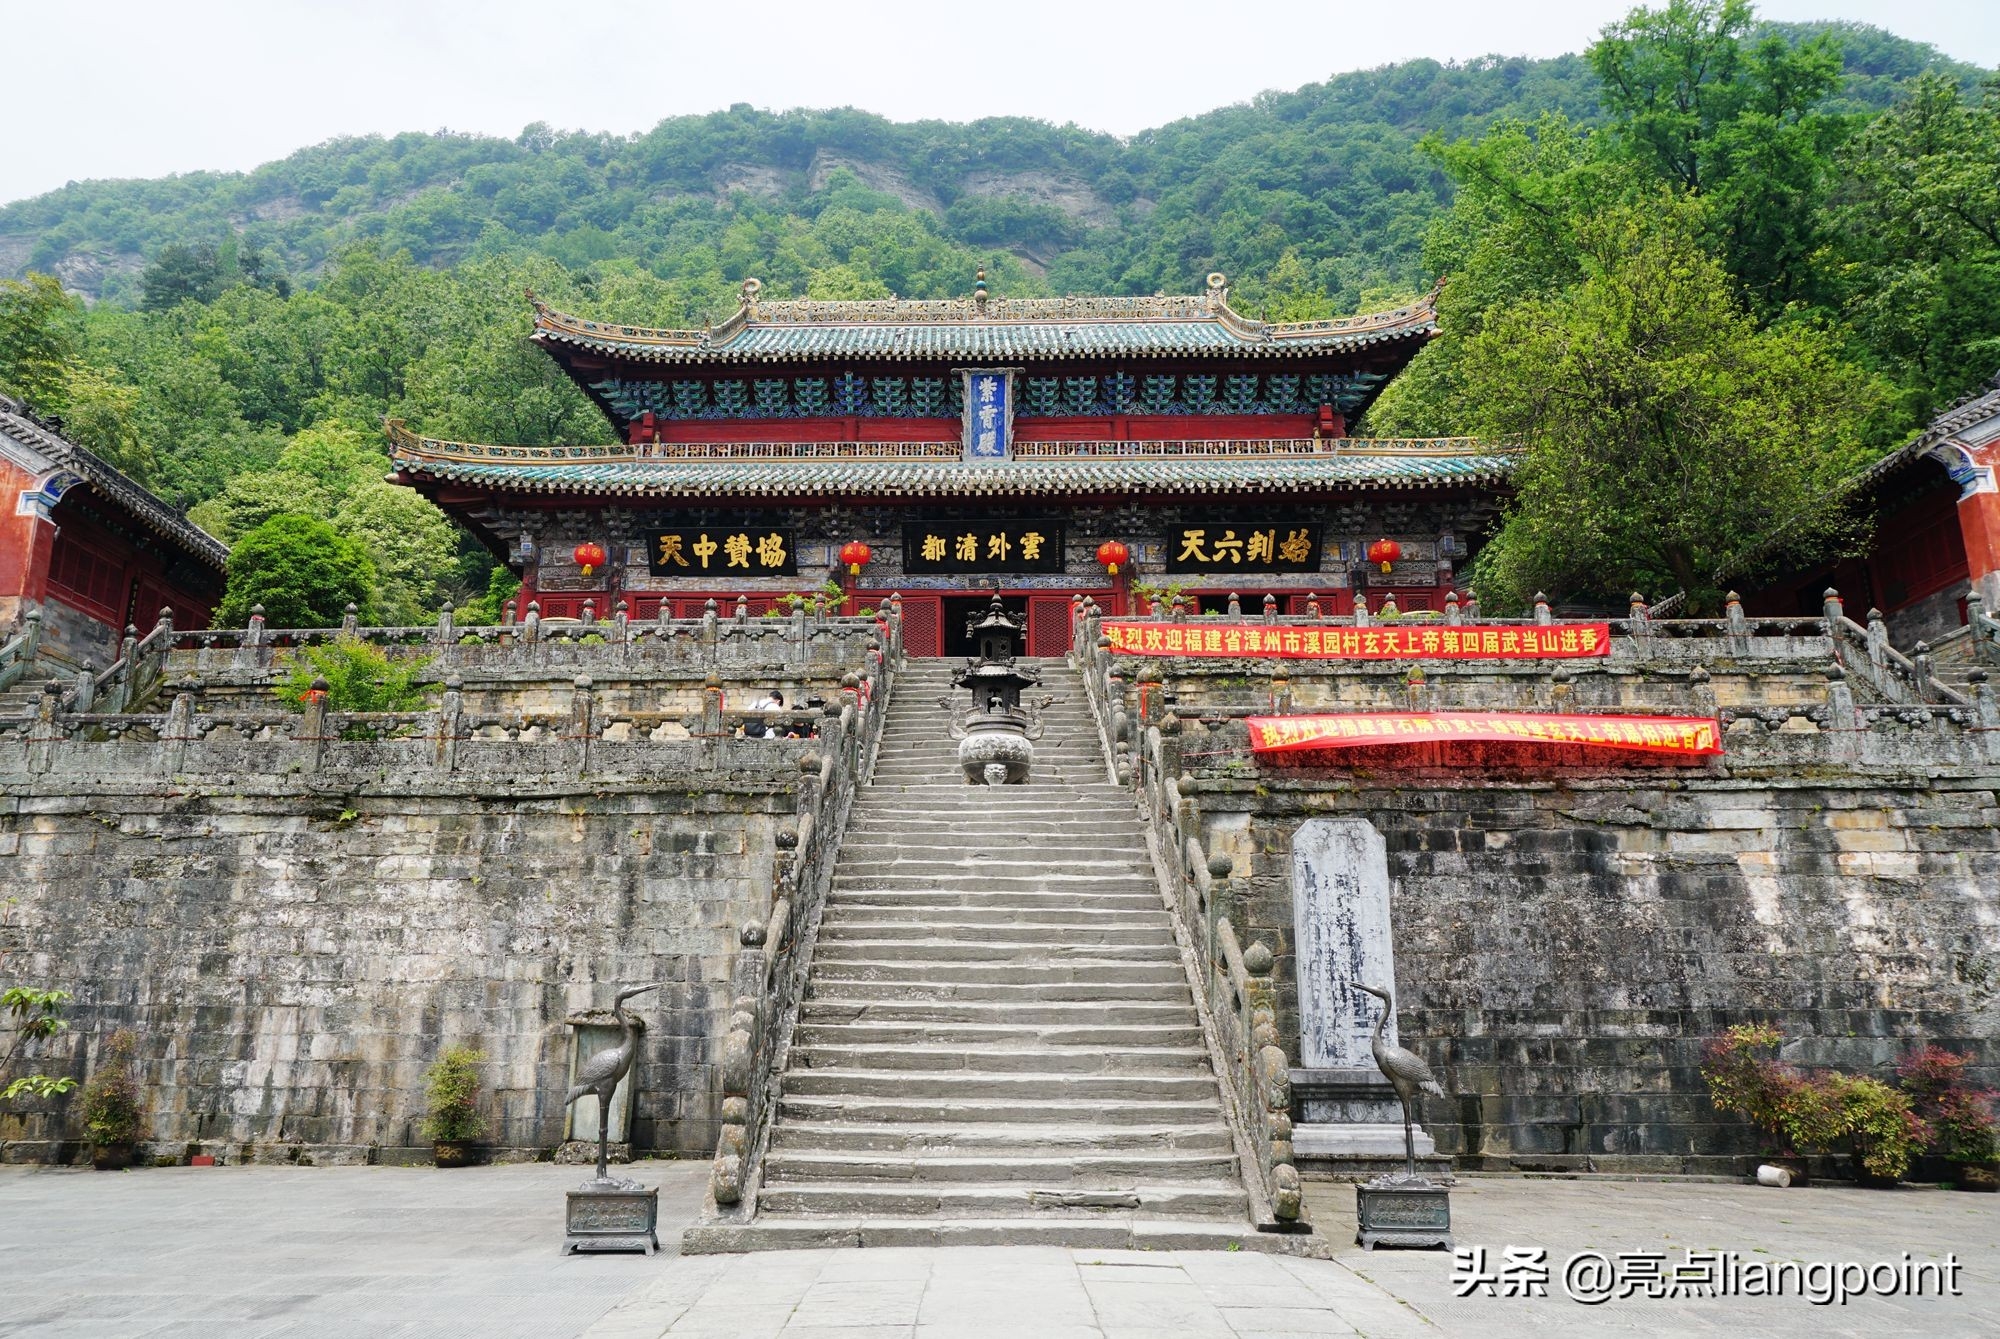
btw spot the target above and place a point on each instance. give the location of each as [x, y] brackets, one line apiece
[832, 1198]
[1027, 1109]
[840, 928]
[1108, 1232]
[1049, 1168]
[1127, 1037]
[1054, 881]
[834, 1010]
[956, 922]
[1001, 1137]
[1143, 985]
[950, 955]
[925, 972]
[863, 866]
[1030, 1061]
[997, 900]
[960, 1085]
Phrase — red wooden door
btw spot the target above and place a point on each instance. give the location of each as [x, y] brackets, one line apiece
[923, 625]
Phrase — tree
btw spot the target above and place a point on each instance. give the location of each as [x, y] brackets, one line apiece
[413, 545]
[183, 273]
[1667, 436]
[1918, 222]
[1706, 111]
[38, 342]
[303, 571]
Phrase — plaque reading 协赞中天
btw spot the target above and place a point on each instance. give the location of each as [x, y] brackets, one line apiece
[1242, 546]
[948, 547]
[722, 551]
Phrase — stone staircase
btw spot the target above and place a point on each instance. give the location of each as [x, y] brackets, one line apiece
[998, 1042]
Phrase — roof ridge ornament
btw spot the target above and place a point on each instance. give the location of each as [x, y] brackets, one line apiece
[979, 290]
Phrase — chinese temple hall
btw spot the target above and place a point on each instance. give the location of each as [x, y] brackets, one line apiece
[1041, 447]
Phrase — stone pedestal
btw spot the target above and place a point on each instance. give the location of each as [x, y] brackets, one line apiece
[1348, 1125]
[1396, 1212]
[612, 1215]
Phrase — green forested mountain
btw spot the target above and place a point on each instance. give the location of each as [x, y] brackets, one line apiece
[1741, 258]
[1331, 169]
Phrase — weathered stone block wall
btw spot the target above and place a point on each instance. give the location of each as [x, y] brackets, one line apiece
[1564, 948]
[1570, 927]
[292, 964]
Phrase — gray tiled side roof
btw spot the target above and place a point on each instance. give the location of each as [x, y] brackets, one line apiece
[112, 484]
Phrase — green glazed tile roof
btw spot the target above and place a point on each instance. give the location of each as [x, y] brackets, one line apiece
[911, 469]
[986, 329]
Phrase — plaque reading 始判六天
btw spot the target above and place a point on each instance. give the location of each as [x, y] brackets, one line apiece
[1242, 546]
[721, 551]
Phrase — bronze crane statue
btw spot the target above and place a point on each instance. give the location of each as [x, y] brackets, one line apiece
[1406, 1071]
[600, 1074]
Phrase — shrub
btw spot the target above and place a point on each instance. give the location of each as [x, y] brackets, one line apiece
[1811, 1113]
[452, 1086]
[359, 677]
[1960, 1117]
[111, 1098]
[303, 571]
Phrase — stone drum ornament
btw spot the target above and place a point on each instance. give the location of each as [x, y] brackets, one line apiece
[609, 1212]
[1406, 1210]
[996, 737]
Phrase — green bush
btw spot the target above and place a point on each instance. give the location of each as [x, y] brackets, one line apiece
[302, 571]
[359, 677]
[452, 1087]
[1812, 1113]
[111, 1098]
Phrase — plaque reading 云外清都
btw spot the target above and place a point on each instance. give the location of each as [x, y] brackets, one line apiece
[721, 551]
[1242, 546]
[947, 547]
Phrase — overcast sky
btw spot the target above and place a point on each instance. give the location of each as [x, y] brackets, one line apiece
[142, 88]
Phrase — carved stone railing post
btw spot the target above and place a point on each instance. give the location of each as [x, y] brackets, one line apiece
[582, 713]
[1986, 709]
[31, 635]
[1312, 604]
[1471, 605]
[1833, 610]
[181, 729]
[531, 626]
[589, 619]
[621, 623]
[1235, 605]
[1878, 643]
[43, 735]
[1543, 615]
[447, 629]
[312, 724]
[1985, 631]
[450, 721]
[1361, 619]
[350, 622]
[1452, 616]
[1273, 1087]
[86, 686]
[740, 1050]
[1270, 608]
[1926, 680]
[249, 652]
[1739, 625]
[711, 706]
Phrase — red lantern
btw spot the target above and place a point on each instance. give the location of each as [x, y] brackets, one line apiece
[856, 555]
[588, 555]
[1384, 551]
[1111, 553]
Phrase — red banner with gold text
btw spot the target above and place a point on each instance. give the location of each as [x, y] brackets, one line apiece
[1561, 641]
[1682, 735]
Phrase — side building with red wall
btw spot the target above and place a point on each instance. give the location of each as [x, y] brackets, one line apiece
[89, 551]
[1935, 540]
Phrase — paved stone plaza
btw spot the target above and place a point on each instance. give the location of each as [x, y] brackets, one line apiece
[237, 1252]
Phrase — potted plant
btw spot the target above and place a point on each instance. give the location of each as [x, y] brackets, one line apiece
[1959, 1116]
[111, 1105]
[453, 1121]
